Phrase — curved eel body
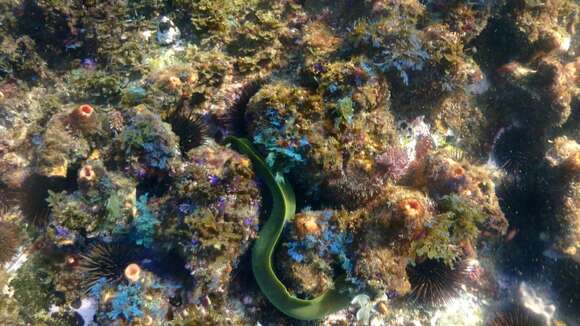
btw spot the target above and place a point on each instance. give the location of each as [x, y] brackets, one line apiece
[283, 209]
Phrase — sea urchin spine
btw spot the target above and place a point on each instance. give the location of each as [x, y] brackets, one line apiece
[107, 261]
[434, 283]
[515, 316]
[192, 131]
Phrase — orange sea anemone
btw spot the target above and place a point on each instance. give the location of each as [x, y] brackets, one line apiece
[174, 83]
[133, 272]
[87, 174]
[457, 172]
[306, 224]
[410, 208]
[71, 260]
[84, 112]
[413, 213]
[84, 117]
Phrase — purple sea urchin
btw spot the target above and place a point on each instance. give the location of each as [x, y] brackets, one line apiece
[515, 316]
[32, 197]
[232, 121]
[434, 283]
[106, 261]
[192, 130]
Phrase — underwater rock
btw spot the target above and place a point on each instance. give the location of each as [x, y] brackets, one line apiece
[143, 300]
[381, 243]
[536, 304]
[542, 30]
[326, 139]
[466, 19]
[214, 205]
[20, 59]
[564, 160]
[13, 170]
[466, 123]
[563, 155]
[147, 145]
[315, 244]
[167, 32]
[383, 270]
[120, 206]
[10, 239]
[474, 183]
[67, 140]
[547, 88]
[104, 202]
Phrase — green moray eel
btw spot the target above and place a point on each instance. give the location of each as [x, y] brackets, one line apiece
[283, 209]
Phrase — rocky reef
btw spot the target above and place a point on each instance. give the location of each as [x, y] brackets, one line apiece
[426, 153]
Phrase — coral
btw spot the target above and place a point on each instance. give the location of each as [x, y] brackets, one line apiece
[402, 212]
[87, 174]
[445, 176]
[85, 117]
[126, 303]
[141, 302]
[132, 272]
[393, 120]
[306, 224]
[414, 214]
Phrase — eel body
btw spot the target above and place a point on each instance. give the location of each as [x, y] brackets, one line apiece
[283, 209]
